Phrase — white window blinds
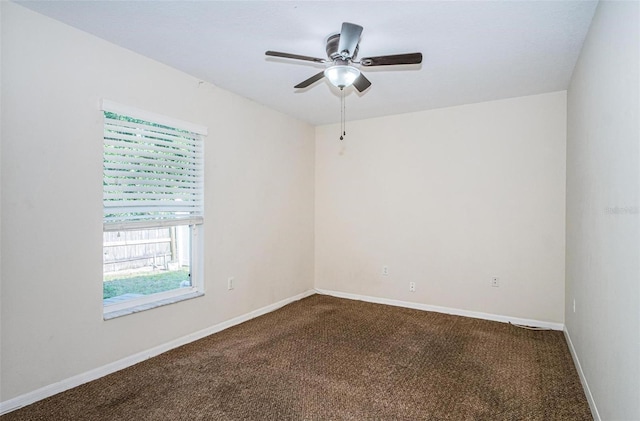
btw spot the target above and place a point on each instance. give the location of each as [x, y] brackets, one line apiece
[153, 173]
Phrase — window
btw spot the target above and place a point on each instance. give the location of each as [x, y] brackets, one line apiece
[153, 210]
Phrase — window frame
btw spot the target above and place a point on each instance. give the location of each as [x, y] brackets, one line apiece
[196, 226]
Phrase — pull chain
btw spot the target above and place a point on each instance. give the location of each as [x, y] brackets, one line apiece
[342, 115]
[341, 112]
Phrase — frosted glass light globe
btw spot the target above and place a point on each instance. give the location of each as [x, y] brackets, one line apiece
[341, 75]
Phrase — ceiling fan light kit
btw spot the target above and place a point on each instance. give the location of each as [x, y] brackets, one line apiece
[342, 50]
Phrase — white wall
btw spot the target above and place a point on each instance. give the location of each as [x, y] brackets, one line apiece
[448, 198]
[603, 231]
[259, 201]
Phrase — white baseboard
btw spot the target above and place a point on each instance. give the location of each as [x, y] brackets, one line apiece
[446, 310]
[583, 379]
[71, 382]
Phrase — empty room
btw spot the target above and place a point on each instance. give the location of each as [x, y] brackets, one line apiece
[320, 210]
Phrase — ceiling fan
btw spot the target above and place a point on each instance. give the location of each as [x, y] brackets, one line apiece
[342, 50]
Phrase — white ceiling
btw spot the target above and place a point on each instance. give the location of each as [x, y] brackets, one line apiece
[473, 50]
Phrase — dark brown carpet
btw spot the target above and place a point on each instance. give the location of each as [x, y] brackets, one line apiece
[325, 358]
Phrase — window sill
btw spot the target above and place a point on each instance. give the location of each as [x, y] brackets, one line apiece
[108, 315]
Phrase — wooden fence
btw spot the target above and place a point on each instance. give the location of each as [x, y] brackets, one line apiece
[131, 250]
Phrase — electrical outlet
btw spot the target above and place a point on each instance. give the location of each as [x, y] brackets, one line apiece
[230, 283]
[385, 270]
[412, 286]
[495, 281]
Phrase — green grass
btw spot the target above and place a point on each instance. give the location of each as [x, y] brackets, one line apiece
[143, 284]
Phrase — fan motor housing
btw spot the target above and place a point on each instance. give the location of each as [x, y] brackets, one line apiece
[332, 48]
